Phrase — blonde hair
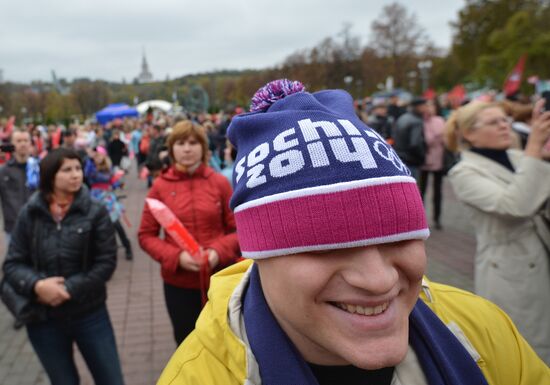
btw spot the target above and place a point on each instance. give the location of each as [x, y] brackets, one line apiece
[462, 121]
[184, 130]
[104, 165]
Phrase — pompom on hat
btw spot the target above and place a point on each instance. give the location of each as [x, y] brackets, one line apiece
[310, 176]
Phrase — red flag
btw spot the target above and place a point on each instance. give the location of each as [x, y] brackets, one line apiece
[513, 81]
[56, 138]
[456, 95]
[166, 218]
[429, 94]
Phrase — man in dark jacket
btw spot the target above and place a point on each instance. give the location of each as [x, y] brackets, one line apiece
[116, 149]
[153, 161]
[409, 136]
[380, 121]
[14, 192]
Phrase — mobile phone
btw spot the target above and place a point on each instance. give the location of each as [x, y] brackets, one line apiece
[7, 147]
[546, 96]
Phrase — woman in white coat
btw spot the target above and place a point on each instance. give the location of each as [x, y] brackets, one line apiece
[507, 193]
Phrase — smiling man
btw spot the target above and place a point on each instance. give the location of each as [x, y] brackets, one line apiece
[333, 293]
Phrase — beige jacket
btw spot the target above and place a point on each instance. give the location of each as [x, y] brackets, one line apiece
[512, 265]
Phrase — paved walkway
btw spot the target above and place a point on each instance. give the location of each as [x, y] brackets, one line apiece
[136, 302]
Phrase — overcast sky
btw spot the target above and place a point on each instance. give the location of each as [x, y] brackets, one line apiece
[104, 39]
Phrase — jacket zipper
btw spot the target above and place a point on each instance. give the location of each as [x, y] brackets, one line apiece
[193, 206]
[57, 262]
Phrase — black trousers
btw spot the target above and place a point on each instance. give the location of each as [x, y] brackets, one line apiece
[122, 235]
[437, 195]
[184, 307]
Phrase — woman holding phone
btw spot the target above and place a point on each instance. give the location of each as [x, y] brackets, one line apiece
[508, 195]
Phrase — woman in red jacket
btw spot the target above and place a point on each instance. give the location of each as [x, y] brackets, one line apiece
[199, 197]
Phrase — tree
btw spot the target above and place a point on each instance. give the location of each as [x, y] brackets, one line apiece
[520, 35]
[328, 63]
[476, 23]
[397, 36]
[89, 96]
[59, 107]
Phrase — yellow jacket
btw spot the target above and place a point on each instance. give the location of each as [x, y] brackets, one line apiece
[217, 351]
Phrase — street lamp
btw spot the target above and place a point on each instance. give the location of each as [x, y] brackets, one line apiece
[348, 79]
[359, 85]
[412, 80]
[424, 67]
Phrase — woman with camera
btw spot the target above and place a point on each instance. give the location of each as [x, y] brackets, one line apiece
[61, 255]
[508, 195]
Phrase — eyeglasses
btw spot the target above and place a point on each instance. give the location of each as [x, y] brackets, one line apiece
[497, 121]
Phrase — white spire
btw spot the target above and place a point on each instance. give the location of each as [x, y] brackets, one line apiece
[145, 76]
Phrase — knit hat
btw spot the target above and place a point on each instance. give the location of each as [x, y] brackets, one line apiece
[101, 150]
[309, 175]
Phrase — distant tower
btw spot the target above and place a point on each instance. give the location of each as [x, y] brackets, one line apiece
[145, 76]
[1, 76]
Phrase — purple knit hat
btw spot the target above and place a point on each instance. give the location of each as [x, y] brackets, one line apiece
[309, 175]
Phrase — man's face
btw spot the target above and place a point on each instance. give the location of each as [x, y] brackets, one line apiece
[154, 132]
[22, 143]
[380, 111]
[421, 109]
[69, 140]
[347, 306]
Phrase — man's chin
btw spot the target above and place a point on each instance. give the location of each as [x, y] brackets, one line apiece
[378, 357]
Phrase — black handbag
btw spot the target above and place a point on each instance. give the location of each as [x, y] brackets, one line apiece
[23, 308]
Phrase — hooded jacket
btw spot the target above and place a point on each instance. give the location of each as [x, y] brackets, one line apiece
[59, 250]
[218, 351]
[201, 202]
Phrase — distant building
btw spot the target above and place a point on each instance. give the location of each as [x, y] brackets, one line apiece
[145, 76]
[1, 76]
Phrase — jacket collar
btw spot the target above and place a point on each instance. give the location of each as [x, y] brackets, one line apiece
[489, 166]
[13, 162]
[81, 203]
[172, 174]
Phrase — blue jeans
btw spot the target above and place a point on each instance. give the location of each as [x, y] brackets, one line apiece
[52, 341]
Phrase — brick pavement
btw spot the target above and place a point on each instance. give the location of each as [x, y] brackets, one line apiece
[136, 303]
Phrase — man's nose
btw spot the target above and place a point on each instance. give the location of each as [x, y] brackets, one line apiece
[370, 269]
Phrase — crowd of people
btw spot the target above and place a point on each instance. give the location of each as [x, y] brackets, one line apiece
[328, 292]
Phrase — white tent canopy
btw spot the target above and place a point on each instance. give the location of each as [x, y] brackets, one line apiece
[158, 104]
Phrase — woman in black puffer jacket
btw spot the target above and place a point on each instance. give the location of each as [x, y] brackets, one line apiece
[61, 254]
